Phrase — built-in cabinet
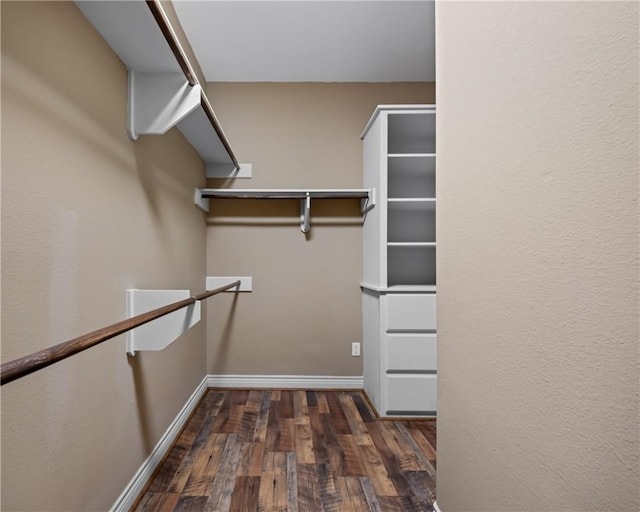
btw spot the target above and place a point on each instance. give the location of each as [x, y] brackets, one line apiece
[399, 267]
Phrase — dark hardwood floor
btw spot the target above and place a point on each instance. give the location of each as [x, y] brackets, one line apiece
[295, 451]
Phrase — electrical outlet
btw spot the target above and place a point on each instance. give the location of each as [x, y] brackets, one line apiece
[355, 349]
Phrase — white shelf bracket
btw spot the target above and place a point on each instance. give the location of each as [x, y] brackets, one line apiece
[229, 172]
[158, 101]
[369, 202]
[162, 331]
[305, 213]
[246, 283]
[199, 201]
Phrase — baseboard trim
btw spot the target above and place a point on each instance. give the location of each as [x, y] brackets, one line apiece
[436, 508]
[285, 381]
[144, 473]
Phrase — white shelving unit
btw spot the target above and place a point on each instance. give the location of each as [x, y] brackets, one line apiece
[399, 268]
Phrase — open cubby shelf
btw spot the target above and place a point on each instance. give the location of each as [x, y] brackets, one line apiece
[413, 177]
[413, 132]
[411, 265]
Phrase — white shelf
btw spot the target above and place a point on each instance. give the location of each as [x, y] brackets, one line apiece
[411, 155]
[160, 97]
[418, 201]
[411, 244]
[408, 288]
[404, 288]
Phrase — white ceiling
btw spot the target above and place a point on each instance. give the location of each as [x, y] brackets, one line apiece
[311, 40]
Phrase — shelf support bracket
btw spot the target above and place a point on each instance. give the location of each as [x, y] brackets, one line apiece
[199, 201]
[158, 101]
[305, 213]
[161, 332]
[369, 202]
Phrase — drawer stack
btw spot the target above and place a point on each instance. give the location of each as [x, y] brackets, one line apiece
[408, 355]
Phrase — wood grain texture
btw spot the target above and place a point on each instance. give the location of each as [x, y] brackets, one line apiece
[295, 451]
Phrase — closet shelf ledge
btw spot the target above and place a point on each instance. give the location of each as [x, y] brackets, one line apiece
[367, 197]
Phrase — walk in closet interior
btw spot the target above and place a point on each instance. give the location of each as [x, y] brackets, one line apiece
[249, 259]
[148, 173]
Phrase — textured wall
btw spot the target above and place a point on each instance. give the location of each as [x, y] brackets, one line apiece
[306, 308]
[538, 256]
[86, 214]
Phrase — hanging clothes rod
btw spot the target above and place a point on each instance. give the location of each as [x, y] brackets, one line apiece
[183, 61]
[18, 368]
[366, 196]
[210, 193]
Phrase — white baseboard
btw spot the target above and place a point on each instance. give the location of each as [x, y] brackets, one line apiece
[436, 507]
[285, 381]
[142, 476]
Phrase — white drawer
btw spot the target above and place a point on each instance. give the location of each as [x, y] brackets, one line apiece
[411, 312]
[411, 351]
[411, 393]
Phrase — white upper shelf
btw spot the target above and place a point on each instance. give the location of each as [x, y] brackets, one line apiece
[132, 33]
[136, 37]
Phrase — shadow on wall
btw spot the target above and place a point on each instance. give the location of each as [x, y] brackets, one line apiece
[222, 352]
[142, 403]
[46, 86]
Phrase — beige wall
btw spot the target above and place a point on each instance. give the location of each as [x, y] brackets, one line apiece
[305, 310]
[538, 256]
[86, 214]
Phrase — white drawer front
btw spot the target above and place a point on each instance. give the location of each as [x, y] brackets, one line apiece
[411, 352]
[411, 393]
[411, 312]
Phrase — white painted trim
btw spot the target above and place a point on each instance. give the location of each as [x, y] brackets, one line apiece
[411, 109]
[285, 381]
[140, 479]
[436, 508]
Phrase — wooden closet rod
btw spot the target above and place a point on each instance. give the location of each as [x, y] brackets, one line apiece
[18, 368]
[183, 61]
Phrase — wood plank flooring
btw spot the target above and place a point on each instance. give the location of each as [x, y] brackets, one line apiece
[295, 451]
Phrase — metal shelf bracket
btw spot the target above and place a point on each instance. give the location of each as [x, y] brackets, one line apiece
[305, 213]
[369, 202]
